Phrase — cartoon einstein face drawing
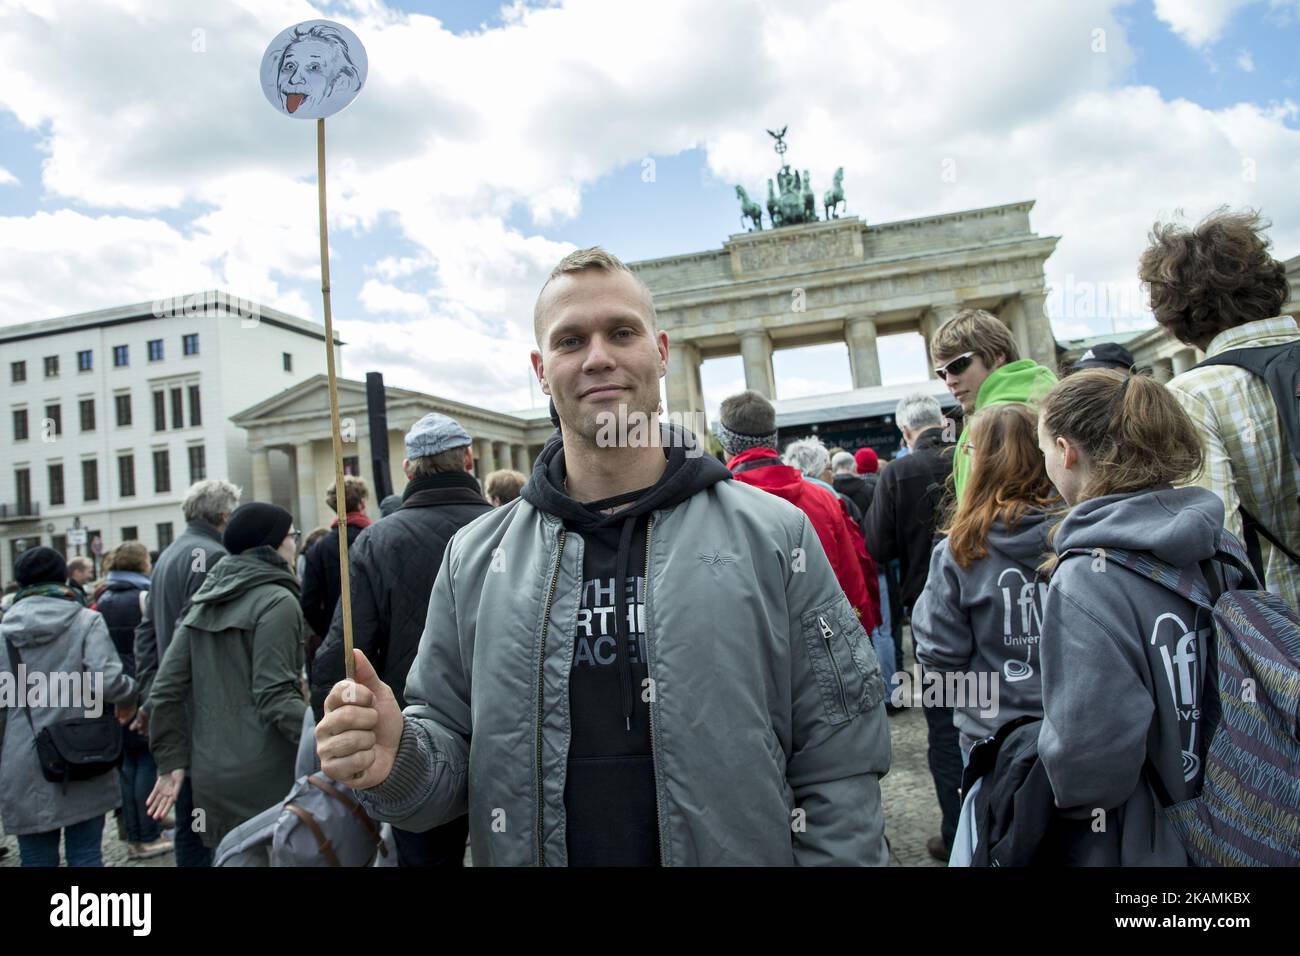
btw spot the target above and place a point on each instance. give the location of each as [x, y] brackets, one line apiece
[313, 70]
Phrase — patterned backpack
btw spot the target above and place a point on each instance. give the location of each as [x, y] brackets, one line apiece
[1248, 810]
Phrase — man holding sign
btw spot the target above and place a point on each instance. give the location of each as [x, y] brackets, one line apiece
[641, 661]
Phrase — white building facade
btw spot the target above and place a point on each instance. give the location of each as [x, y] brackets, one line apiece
[109, 416]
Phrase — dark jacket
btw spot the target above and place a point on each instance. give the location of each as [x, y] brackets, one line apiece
[237, 657]
[392, 566]
[120, 605]
[321, 584]
[860, 488]
[905, 509]
[180, 570]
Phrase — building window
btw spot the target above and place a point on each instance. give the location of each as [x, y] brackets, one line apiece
[190, 344]
[155, 350]
[288, 362]
[23, 487]
[178, 408]
[162, 472]
[85, 361]
[159, 412]
[89, 481]
[196, 414]
[56, 484]
[130, 533]
[122, 409]
[126, 476]
[121, 357]
[87, 408]
[165, 533]
[20, 424]
[198, 464]
[51, 366]
[352, 466]
[54, 415]
[17, 372]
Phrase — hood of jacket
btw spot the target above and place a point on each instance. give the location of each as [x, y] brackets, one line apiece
[38, 620]
[684, 476]
[782, 480]
[1180, 526]
[1022, 381]
[238, 574]
[1026, 542]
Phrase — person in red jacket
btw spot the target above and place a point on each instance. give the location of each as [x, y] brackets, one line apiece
[747, 432]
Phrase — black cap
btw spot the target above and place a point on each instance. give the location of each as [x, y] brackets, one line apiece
[1105, 355]
[254, 524]
[40, 566]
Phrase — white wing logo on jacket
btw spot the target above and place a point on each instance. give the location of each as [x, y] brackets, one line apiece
[1183, 672]
[1029, 599]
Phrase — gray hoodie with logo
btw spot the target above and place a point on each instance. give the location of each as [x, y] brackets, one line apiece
[1124, 670]
[985, 622]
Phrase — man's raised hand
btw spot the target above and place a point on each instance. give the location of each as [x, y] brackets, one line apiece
[358, 736]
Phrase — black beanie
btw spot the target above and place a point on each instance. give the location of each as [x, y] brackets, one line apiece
[256, 523]
[40, 566]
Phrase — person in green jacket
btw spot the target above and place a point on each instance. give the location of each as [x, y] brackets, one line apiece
[977, 357]
[235, 662]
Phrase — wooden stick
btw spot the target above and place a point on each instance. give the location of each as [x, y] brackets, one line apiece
[340, 498]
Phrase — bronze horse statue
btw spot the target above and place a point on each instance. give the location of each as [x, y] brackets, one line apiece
[749, 210]
[835, 195]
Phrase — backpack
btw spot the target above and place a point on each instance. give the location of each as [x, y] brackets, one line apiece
[1279, 367]
[320, 823]
[1248, 810]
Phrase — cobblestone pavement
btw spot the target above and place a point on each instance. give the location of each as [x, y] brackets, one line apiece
[911, 810]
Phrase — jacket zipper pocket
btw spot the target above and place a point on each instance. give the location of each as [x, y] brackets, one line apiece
[827, 634]
[541, 679]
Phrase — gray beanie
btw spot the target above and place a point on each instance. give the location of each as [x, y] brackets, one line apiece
[745, 421]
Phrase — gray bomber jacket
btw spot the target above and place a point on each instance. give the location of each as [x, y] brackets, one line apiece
[768, 728]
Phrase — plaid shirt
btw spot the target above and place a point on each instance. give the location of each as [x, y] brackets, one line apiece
[1248, 462]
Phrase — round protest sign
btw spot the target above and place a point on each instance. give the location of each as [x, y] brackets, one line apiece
[314, 69]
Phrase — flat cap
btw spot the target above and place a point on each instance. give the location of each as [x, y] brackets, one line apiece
[433, 434]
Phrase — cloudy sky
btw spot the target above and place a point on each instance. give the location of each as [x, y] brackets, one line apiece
[139, 159]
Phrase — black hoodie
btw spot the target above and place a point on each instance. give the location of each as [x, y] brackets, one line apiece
[609, 795]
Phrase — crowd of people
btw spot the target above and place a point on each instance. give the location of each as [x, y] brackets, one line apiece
[641, 656]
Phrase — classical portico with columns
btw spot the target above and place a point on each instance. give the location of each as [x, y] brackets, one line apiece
[290, 441]
[843, 280]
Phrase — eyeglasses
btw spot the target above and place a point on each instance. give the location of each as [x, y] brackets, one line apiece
[956, 366]
[297, 538]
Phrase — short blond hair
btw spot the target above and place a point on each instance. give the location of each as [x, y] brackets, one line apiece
[580, 260]
[974, 330]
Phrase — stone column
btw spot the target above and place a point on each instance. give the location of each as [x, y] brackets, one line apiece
[1182, 360]
[501, 452]
[864, 360]
[1042, 341]
[519, 458]
[1013, 314]
[262, 475]
[483, 450]
[756, 352]
[683, 377]
[305, 467]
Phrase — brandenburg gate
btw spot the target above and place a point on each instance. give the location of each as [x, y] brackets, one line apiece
[843, 280]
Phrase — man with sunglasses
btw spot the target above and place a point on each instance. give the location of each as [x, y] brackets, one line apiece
[976, 356]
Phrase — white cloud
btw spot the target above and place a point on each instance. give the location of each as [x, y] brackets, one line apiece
[1245, 62]
[472, 148]
[7, 178]
[1198, 22]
